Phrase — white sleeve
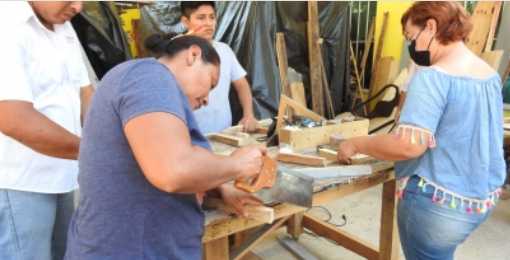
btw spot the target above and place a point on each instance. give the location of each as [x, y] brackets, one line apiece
[13, 65]
[236, 70]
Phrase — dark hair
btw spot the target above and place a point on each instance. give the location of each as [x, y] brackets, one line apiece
[171, 44]
[452, 19]
[188, 7]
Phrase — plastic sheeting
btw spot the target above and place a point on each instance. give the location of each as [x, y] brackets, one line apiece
[101, 36]
[250, 30]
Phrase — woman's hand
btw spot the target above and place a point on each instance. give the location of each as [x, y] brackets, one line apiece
[237, 199]
[346, 149]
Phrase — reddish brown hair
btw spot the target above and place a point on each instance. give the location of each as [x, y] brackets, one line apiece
[452, 19]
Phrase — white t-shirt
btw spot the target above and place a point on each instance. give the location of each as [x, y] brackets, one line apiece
[216, 116]
[45, 68]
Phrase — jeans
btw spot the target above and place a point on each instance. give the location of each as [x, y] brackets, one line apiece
[34, 225]
[432, 230]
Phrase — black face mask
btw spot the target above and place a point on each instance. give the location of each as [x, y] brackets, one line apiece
[421, 58]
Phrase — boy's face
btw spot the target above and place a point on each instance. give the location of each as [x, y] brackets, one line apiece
[202, 22]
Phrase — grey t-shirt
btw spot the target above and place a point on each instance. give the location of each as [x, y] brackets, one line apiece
[121, 215]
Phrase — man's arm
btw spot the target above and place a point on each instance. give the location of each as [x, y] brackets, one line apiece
[163, 149]
[86, 94]
[248, 121]
[22, 122]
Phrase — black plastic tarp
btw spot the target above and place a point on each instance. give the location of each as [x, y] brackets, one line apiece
[101, 36]
[250, 30]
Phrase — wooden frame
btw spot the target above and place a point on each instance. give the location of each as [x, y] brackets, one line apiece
[216, 234]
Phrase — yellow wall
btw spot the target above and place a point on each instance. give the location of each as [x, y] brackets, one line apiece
[393, 39]
[127, 16]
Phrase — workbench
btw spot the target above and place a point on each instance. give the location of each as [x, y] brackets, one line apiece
[219, 226]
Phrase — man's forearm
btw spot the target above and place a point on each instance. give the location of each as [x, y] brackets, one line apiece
[245, 97]
[20, 121]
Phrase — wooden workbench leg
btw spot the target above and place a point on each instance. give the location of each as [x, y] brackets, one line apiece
[295, 225]
[216, 249]
[389, 244]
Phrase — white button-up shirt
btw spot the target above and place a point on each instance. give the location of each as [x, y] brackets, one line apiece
[45, 68]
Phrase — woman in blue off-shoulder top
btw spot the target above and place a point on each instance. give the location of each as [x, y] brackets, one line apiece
[448, 146]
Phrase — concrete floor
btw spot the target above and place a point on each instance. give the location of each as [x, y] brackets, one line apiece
[489, 242]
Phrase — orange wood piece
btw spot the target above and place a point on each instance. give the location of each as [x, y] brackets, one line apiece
[265, 179]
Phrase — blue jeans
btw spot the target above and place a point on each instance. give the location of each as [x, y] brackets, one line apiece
[34, 225]
[431, 230]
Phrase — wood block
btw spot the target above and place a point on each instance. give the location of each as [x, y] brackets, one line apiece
[230, 139]
[297, 92]
[260, 213]
[312, 137]
[301, 159]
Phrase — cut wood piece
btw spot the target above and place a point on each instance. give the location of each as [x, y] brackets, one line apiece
[297, 93]
[313, 55]
[260, 213]
[481, 20]
[385, 73]
[303, 138]
[302, 159]
[331, 155]
[298, 109]
[230, 139]
[299, 251]
[493, 58]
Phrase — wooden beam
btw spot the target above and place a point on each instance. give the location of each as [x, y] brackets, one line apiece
[313, 55]
[368, 44]
[216, 249]
[297, 92]
[359, 88]
[256, 238]
[493, 58]
[230, 140]
[349, 241]
[380, 42]
[281, 56]
[388, 235]
[304, 138]
[493, 25]
[301, 159]
[325, 85]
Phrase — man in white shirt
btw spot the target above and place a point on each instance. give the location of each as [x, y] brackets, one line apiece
[200, 20]
[43, 76]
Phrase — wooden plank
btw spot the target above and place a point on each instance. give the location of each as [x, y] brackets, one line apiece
[347, 240]
[388, 235]
[481, 20]
[304, 138]
[357, 159]
[216, 249]
[380, 42]
[297, 92]
[228, 226]
[301, 159]
[368, 43]
[260, 213]
[385, 73]
[313, 55]
[256, 238]
[295, 225]
[281, 56]
[494, 23]
[230, 140]
[325, 86]
[493, 58]
[299, 251]
[359, 88]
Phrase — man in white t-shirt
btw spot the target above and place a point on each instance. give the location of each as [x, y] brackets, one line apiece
[200, 20]
[44, 76]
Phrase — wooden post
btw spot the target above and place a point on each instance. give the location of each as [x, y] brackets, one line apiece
[494, 23]
[313, 55]
[295, 225]
[281, 55]
[216, 249]
[388, 236]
